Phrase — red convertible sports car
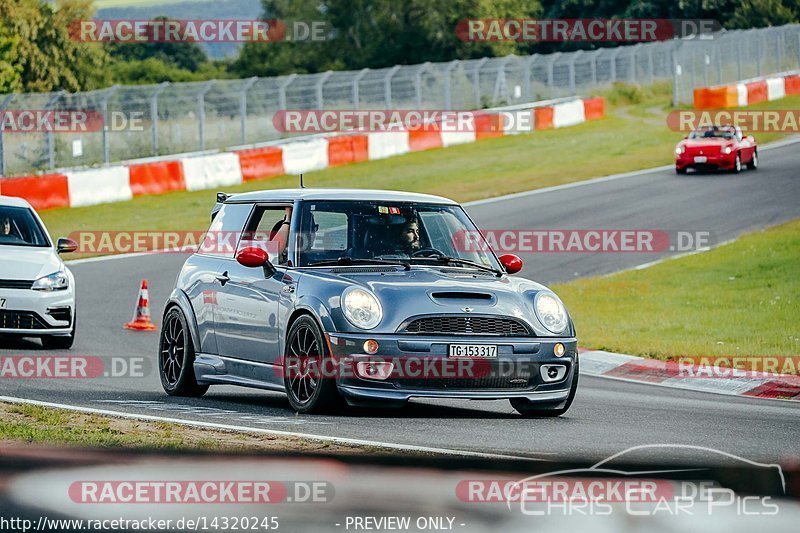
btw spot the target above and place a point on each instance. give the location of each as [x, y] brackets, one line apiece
[716, 148]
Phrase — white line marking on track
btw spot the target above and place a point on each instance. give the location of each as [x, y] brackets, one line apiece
[242, 429]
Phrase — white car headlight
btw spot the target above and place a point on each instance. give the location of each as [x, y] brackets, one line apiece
[680, 149]
[57, 281]
[361, 308]
[551, 312]
[727, 150]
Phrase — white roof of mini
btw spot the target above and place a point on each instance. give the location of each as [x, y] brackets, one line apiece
[13, 201]
[367, 195]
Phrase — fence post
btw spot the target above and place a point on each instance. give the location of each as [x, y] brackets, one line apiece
[676, 72]
[632, 54]
[575, 56]
[243, 105]
[614, 55]
[3, 105]
[154, 114]
[550, 68]
[529, 61]
[387, 86]
[780, 52]
[418, 83]
[448, 90]
[201, 112]
[318, 88]
[595, 55]
[104, 106]
[739, 60]
[282, 90]
[651, 68]
[476, 81]
[50, 139]
[356, 81]
[758, 55]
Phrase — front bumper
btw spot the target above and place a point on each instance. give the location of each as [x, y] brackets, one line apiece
[713, 162]
[37, 313]
[423, 369]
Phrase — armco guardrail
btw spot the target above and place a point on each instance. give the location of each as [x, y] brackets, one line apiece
[82, 187]
[748, 92]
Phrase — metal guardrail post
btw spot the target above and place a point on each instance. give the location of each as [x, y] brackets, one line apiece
[318, 88]
[418, 83]
[104, 106]
[448, 90]
[154, 114]
[201, 112]
[575, 56]
[387, 86]
[3, 106]
[243, 106]
[356, 81]
[282, 90]
[49, 137]
[476, 81]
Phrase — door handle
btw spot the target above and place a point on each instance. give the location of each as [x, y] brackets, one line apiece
[223, 279]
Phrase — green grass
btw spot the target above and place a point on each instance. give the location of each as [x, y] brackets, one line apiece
[741, 299]
[633, 136]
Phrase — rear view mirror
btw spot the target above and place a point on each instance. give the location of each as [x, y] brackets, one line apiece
[252, 257]
[511, 263]
[65, 246]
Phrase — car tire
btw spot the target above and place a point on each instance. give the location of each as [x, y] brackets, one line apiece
[680, 170]
[307, 387]
[64, 342]
[737, 164]
[530, 409]
[176, 357]
[753, 164]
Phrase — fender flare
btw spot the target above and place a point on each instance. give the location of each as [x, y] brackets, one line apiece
[179, 299]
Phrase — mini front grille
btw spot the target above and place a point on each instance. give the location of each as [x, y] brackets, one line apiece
[15, 284]
[21, 320]
[466, 325]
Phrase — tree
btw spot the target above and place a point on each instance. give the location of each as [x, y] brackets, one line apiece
[759, 13]
[45, 55]
[184, 55]
[10, 71]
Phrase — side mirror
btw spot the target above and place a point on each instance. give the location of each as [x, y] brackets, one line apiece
[252, 257]
[511, 263]
[65, 246]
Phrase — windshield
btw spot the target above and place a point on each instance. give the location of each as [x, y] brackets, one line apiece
[330, 230]
[18, 227]
[712, 133]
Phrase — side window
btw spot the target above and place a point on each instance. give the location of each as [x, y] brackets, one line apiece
[222, 236]
[268, 228]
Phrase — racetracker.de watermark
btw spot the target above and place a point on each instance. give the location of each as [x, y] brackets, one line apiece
[584, 30]
[207, 242]
[73, 367]
[396, 120]
[729, 367]
[205, 31]
[785, 120]
[582, 240]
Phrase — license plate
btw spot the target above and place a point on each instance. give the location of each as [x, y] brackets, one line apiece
[473, 350]
[2, 303]
[700, 159]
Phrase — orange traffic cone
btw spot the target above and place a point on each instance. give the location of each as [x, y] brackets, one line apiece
[141, 315]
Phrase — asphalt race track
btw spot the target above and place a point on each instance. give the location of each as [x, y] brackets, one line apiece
[607, 416]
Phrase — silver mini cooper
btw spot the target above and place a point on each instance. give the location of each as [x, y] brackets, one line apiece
[362, 297]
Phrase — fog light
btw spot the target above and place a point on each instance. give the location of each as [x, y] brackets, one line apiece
[559, 349]
[374, 369]
[551, 373]
[371, 346]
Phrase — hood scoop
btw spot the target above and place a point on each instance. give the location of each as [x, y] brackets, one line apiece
[462, 298]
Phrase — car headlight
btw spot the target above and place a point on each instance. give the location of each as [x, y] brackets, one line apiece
[680, 149]
[361, 308]
[727, 150]
[57, 281]
[551, 312]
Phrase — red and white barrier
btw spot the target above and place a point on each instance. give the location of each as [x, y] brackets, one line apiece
[76, 188]
[99, 186]
[747, 92]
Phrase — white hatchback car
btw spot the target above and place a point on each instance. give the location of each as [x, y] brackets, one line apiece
[37, 290]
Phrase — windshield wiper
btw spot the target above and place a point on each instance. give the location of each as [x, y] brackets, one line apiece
[458, 261]
[346, 261]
